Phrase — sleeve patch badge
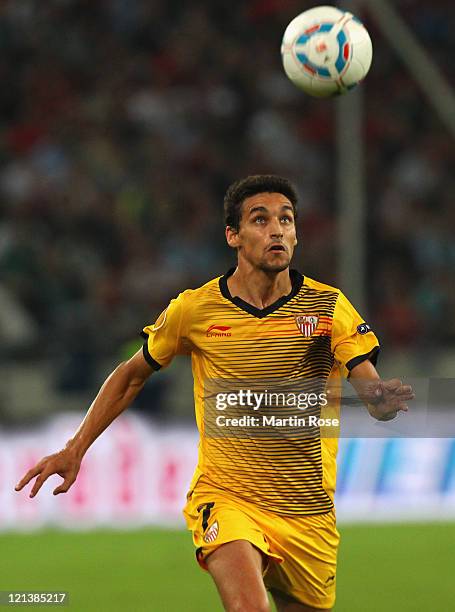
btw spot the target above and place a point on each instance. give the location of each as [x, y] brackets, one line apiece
[363, 328]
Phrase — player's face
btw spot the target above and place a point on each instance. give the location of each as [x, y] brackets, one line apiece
[266, 236]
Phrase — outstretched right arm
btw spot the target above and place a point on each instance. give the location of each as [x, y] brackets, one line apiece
[116, 394]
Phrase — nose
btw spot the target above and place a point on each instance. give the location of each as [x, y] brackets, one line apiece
[276, 230]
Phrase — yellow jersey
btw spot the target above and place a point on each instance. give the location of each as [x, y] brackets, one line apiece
[311, 334]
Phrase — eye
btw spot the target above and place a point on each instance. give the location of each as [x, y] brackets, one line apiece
[286, 219]
[259, 219]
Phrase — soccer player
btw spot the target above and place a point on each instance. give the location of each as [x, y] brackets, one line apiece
[260, 504]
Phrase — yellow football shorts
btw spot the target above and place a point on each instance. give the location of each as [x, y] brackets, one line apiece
[301, 550]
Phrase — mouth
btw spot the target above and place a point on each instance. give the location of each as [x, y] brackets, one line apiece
[277, 248]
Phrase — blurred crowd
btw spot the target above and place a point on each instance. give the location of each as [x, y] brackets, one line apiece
[124, 121]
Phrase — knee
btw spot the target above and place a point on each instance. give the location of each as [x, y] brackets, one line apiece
[246, 604]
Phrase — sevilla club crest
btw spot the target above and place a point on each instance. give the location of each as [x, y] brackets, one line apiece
[306, 323]
[212, 533]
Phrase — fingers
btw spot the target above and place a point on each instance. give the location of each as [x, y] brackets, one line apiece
[405, 397]
[401, 407]
[404, 389]
[61, 463]
[405, 393]
[66, 484]
[44, 475]
[395, 388]
[391, 385]
[28, 476]
[40, 481]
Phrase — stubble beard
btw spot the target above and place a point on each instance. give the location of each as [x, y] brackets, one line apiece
[273, 267]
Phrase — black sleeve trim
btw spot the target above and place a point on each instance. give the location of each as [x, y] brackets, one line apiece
[372, 356]
[149, 359]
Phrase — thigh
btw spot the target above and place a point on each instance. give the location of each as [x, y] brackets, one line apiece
[307, 575]
[236, 568]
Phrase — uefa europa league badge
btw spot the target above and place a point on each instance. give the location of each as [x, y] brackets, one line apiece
[306, 324]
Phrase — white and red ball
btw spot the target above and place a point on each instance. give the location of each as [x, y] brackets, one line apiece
[326, 51]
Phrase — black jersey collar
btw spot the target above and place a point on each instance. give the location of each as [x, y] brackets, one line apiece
[296, 280]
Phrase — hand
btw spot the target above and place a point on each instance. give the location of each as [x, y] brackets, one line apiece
[387, 397]
[66, 463]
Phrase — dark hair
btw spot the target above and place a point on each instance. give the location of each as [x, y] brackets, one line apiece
[250, 186]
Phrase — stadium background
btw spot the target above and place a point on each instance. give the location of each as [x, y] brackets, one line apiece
[122, 123]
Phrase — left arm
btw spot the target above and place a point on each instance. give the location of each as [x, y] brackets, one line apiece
[383, 398]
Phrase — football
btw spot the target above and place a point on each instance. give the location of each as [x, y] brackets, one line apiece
[326, 51]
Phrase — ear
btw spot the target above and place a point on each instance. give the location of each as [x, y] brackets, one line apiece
[232, 237]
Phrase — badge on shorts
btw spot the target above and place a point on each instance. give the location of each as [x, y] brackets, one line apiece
[212, 533]
[306, 324]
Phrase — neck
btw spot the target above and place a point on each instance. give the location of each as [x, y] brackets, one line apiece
[260, 288]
